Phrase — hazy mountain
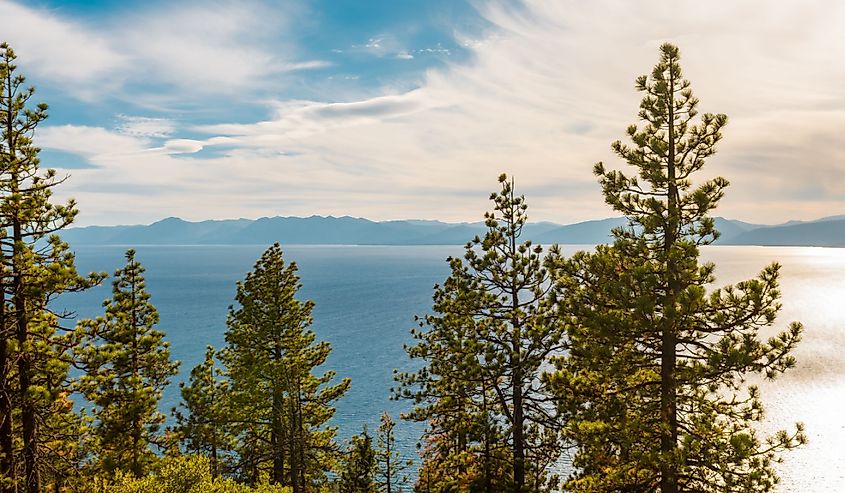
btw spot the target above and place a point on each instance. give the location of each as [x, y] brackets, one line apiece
[347, 230]
[731, 228]
[824, 232]
[584, 233]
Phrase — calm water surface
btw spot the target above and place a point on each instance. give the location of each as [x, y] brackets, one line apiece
[366, 298]
[813, 289]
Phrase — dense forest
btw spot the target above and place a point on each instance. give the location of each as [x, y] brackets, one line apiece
[623, 358]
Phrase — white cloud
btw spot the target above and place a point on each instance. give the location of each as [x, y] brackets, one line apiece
[60, 50]
[307, 65]
[229, 47]
[182, 146]
[89, 141]
[145, 127]
[541, 97]
[296, 120]
[205, 49]
[551, 86]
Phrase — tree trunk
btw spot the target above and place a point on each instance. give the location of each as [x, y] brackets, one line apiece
[7, 457]
[294, 462]
[215, 470]
[516, 372]
[136, 420]
[388, 473]
[28, 422]
[518, 437]
[488, 487]
[300, 431]
[278, 459]
[277, 435]
[668, 356]
[7, 464]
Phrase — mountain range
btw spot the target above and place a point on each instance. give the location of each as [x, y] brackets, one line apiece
[828, 231]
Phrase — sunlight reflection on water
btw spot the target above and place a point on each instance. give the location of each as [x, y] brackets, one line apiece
[813, 289]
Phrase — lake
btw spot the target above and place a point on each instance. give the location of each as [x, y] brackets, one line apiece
[366, 299]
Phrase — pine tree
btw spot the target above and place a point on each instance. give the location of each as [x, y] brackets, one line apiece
[452, 402]
[390, 467]
[654, 388]
[496, 326]
[36, 424]
[204, 430]
[281, 406]
[358, 466]
[127, 364]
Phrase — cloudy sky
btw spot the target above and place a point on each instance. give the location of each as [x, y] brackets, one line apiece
[392, 109]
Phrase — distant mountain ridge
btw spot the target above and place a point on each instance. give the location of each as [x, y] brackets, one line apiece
[346, 230]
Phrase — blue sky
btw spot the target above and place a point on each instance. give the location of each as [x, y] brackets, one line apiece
[336, 49]
[412, 108]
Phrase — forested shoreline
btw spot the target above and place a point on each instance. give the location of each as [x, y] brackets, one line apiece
[622, 357]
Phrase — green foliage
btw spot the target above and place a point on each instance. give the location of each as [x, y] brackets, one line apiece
[654, 389]
[477, 469]
[184, 474]
[279, 406]
[358, 466]
[205, 428]
[496, 325]
[39, 432]
[390, 467]
[127, 365]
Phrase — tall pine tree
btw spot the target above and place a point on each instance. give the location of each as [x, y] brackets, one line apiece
[281, 405]
[127, 366]
[496, 326]
[654, 388]
[36, 423]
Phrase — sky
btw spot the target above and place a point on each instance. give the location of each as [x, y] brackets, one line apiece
[410, 109]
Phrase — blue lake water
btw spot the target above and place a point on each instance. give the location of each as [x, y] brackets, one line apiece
[365, 302]
[366, 299]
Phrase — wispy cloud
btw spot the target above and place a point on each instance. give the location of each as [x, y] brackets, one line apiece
[550, 87]
[382, 46]
[181, 146]
[49, 43]
[295, 120]
[232, 46]
[145, 127]
[541, 96]
[91, 142]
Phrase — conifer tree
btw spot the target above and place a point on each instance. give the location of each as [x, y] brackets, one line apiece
[127, 366]
[465, 448]
[390, 467]
[496, 325]
[280, 404]
[654, 388]
[358, 465]
[35, 266]
[204, 430]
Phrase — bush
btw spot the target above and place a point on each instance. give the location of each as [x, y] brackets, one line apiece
[183, 474]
